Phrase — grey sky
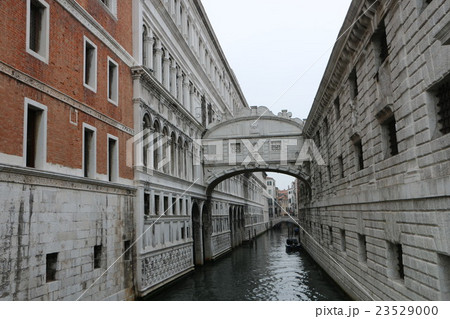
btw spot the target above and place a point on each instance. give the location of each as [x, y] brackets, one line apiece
[272, 44]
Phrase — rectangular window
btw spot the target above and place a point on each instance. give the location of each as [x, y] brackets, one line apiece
[97, 256]
[443, 106]
[343, 242]
[444, 276]
[380, 45]
[111, 5]
[38, 18]
[90, 65]
[157, 211]
[337, 108]
[146, 204]
[113, 159]
[35, 135]
[50, 267]
[181, 205]
[330, 235]
[341, 166]
[166, 204]
[357, 146]
[113, 82]
[235, 148]
[174, 205]
[89, 151]
[353, 81]
[183, 233]
[362, 248]
[390, 135]
[395, 261]
[127, 250]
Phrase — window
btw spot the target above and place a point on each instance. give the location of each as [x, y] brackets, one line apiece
[157, 211]
[330, 235]
[89, 151]
[111, 5]
[318, 139]
[444, 276]
[146, 204]
[50, 267]
[443, 106]
[357, 145]
[341, 166]
[181, 205]
[395, 261]
[38, 25]
[325, 126]
[235, 148]
[337, 108]
[174, 205]
[362, 248]
[35, 135]
[343, 243]
[127, 250]
[90, 65]
[353, 81]
[113, 159]
[97, 256]
[423, 4]
[380, 45]
[390, 135]
[113, 82]
[166, 204]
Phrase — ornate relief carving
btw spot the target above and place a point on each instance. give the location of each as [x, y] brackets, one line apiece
[221, 243]
[165, 264]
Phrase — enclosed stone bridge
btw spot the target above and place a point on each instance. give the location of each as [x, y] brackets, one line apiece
[285, 219]
[256, 140]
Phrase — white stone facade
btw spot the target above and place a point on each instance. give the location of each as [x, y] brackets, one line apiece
[378, 217]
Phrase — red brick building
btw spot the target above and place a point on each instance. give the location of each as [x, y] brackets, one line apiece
[67, 112]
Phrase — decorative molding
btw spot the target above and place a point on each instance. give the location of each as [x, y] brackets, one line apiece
[62, 97]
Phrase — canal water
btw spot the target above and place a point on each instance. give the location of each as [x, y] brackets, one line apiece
[261, 272]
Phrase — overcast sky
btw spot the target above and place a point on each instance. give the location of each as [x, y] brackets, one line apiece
[278, 49]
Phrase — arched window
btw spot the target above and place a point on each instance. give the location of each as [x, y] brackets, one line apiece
[156, 146]
[173, 151]
[146, 126]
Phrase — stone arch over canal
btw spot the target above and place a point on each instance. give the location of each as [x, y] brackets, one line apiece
[255, 140]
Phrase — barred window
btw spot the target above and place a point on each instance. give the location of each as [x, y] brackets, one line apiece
[443, 95]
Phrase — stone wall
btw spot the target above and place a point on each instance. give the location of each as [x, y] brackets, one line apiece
[378, 220]
[43, 213]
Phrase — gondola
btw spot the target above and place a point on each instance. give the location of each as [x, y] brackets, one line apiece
[292, 245]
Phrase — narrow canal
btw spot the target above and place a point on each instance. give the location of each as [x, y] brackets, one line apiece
[262, 272]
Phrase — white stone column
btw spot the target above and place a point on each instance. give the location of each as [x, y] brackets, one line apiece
[166, 70]
[161, 203]
[191, 100]
[158, 61]
[180, 86]
[152, 203]
[186, 95]
[172, 7]
[173, 79]
[170, 210]
[184, 27]
[177, 12]
[149, 42]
